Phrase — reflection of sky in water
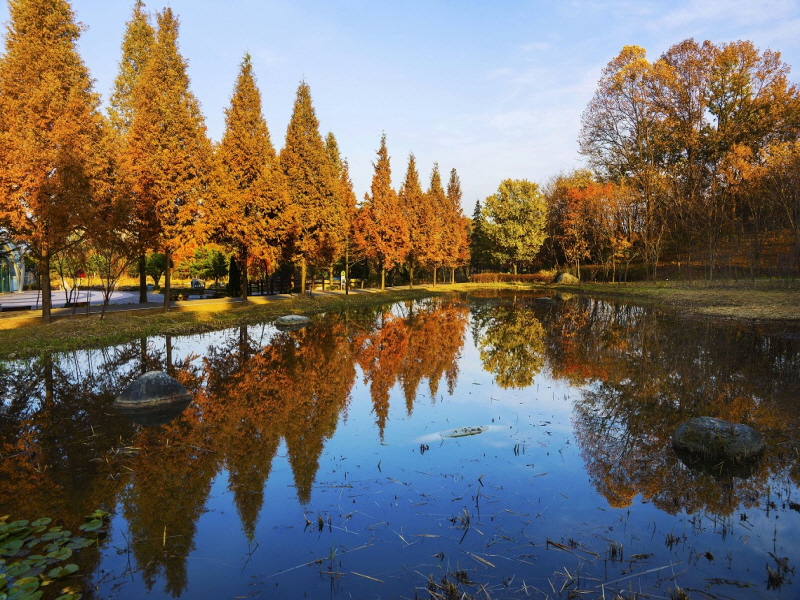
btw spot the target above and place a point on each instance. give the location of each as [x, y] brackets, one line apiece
[390, 509]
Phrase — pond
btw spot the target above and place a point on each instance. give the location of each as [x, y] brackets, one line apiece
[494, 445]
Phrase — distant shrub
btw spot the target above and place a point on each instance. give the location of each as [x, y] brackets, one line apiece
[540, 277]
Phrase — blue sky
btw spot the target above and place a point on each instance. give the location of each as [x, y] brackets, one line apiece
[493, 89]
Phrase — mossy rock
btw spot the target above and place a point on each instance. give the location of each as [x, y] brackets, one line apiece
[566, 278]
[715, 439]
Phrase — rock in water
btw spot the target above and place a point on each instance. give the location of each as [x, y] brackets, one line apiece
[544, 301]
[290, 322]
[153, 399]
[714, 438]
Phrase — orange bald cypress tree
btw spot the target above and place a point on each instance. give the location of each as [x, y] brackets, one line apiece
[168, 155]
[414, 207]
[346, 200]
[50, 128]
[249, 215]
[456, 245]
[433, 252]
[381, 229]
[310, 181]
[137, 44]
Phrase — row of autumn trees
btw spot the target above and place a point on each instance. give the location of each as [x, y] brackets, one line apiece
[146, 177]
[697, 149]
[695, 153]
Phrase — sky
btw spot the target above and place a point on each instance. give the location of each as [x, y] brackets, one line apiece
[494, 89]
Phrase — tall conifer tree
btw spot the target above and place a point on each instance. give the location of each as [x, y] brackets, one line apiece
[346, 201]
[249, 214]
[310, 181]
[414, 207]
[168, 154]
[50, 131]
[435, 240]
[457, 241]
[381, 230]
[479, 246]
[137, 44]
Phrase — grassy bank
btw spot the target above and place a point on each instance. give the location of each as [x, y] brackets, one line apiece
[82, 332]
[769, 302]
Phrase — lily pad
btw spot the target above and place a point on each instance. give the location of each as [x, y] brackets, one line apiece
[42, 521]
[60, 554]
[64, 571]
[92, 525]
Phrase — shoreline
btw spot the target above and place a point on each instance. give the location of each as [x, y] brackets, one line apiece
[21, 335]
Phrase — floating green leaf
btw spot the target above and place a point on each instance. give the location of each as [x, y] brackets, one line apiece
[42, 521]
[10, 547]
[77, 543]
[60, 554]
[19, 569]
[64, 571]
[92, 525]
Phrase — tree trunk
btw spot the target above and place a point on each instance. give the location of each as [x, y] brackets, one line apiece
[383, 279]
[411, 276]
[453, 275]
[167, 280]
[21, 272]
[303, 275]
[243, 281]
[142, 278]
[44, 280]
[434, 276]
[515, 269]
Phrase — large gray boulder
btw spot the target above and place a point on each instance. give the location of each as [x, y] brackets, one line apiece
[153, 399]
[713, 438]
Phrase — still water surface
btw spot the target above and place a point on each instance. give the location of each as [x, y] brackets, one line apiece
[334, 462]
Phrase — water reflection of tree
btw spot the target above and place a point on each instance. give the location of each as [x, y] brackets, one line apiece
[645, 374]
[424, 343]
[511, 343]
[56, 437]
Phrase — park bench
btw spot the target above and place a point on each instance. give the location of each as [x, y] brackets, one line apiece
[14, 308]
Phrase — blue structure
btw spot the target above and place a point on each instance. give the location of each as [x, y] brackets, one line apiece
[12, 267]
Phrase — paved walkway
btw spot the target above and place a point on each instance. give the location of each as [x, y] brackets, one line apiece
[129, 301]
